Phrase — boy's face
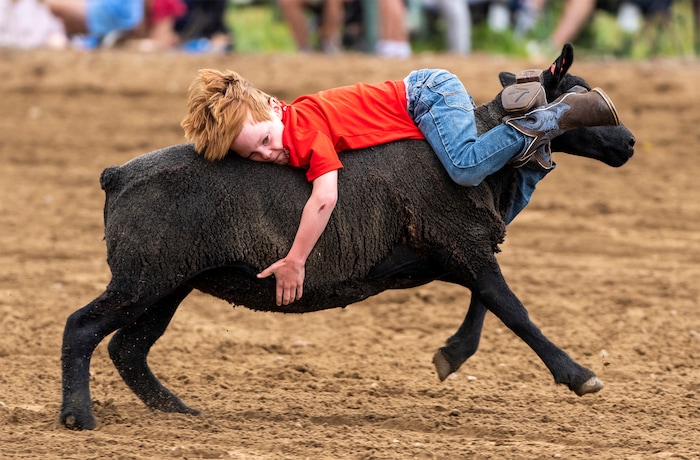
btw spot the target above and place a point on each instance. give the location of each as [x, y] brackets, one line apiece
[263, 141]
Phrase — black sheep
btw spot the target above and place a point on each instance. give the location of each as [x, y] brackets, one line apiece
[175, 222]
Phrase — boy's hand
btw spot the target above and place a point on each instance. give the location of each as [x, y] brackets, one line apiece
[289, 278]
[289, 272]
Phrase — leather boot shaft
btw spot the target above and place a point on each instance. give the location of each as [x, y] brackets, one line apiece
[569, 111]
[593, 108]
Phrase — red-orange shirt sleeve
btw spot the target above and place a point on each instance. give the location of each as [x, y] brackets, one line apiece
[321, 154]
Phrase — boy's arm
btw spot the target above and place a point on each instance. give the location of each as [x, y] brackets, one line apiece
[289, 272]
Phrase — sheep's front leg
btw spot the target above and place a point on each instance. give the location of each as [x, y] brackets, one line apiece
[84, 330]
[464, 343]
[491, 288]
[129, 351]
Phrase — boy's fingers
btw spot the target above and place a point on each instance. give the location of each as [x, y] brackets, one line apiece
[279, 298]
[287, 297]
[284, 292]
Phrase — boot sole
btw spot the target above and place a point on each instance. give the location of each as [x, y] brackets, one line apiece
[610, 104]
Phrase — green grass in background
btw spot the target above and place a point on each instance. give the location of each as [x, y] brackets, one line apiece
[259, 29]
[674, 36]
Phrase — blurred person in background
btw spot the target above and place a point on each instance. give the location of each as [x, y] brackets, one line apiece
[576, 14]
[157, 30]
[574, 17]
[394, 39]
[98, 22]
[459, 17]
[30, 24]
[329, 14]
[343, 22]
[203, 28]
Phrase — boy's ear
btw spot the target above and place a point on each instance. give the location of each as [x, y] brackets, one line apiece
[276, 106]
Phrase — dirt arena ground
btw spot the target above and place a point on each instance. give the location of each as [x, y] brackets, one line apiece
[606, 260]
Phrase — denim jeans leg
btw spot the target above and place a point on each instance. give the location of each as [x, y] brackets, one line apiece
[526, 182]
[444, 111]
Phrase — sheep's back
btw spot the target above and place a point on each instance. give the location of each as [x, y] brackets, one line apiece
[170, 214]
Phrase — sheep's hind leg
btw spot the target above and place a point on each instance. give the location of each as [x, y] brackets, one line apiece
[84, 330]
[129, 351]
[492, 289]
[463, 344]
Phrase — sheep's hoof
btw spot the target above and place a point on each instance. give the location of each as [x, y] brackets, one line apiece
[175, 406]
[71, 422]
[592, 385]
[442, 367]
[192, 411]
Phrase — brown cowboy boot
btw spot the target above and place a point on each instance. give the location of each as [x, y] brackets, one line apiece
[571, 110]
[541, 160]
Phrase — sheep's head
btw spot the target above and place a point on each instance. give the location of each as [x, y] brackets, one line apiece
[613, 145]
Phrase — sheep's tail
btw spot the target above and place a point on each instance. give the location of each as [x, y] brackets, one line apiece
[108, 178]
[109, 181]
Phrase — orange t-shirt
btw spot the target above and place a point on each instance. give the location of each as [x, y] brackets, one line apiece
[318, 126]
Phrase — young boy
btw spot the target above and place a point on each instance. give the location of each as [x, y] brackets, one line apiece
[226, 113]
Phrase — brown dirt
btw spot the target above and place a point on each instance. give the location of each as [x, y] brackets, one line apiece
[607, 261]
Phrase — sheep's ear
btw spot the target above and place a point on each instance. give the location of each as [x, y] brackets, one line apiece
[562, 64]
[506, 78]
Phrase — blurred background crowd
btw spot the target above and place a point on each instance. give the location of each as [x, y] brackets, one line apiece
[390, 28]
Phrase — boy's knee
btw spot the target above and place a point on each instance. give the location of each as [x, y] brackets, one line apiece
[430, 76]
[466, 179]
[440, 75]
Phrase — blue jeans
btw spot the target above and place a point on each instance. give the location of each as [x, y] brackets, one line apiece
[527, 180]
[444, 112]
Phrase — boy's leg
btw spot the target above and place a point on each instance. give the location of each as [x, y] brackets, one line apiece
[569, 111]
[527, 180]
[444, 111]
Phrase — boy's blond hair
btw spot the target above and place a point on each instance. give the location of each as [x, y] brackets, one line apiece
[218, 105]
